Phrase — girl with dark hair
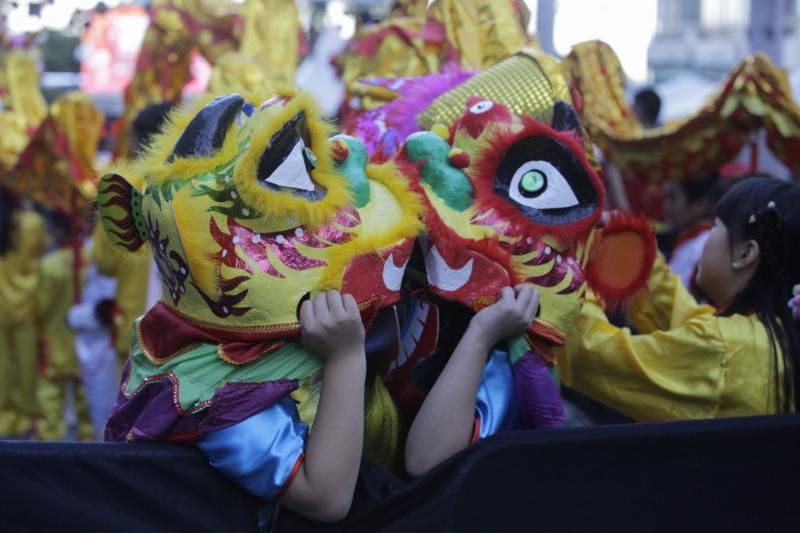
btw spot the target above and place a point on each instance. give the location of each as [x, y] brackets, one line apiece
[694, 361]
[22, 242]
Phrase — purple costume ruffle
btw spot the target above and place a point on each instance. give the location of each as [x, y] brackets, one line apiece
[539, 399]
[151, 413]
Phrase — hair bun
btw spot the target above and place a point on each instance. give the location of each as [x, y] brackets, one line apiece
[769, 221]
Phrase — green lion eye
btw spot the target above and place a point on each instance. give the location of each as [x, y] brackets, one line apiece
[533, 183]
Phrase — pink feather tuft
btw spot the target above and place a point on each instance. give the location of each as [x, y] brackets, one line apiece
[402, 113]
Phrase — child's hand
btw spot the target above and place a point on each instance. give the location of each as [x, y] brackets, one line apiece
[509, 316]
[332, 326]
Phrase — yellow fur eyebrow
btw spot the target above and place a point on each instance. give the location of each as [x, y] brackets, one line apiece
[281, 204]
[153, 162]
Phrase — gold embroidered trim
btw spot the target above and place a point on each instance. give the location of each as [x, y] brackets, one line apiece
[158, 361]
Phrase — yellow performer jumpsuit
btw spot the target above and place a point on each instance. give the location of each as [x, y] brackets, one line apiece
[19, 280]
[132, 272]
[687, 363]
[54, 299]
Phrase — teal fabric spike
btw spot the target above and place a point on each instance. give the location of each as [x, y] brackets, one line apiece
[354, 166]
[448, 183]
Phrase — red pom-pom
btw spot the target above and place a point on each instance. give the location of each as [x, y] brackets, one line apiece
[621, 258]
[339, 150]
[459, 158]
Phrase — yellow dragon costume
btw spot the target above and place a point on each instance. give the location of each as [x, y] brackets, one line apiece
[23, 110]
[754, 95]
[19, 281]
[56, 169]
[248, 210]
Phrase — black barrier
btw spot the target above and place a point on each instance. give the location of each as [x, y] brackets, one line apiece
[118, 488]
[718, 475]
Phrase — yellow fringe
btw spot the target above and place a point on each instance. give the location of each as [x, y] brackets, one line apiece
[409, 225]
[153, 162]
[391, 178]
[128, 170]
[381, 425]
[280, 205]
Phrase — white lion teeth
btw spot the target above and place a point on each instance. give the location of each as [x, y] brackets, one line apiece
[411, 337]
[443, 276]
[393, 274]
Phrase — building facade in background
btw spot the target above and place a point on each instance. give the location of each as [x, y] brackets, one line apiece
[709, 37]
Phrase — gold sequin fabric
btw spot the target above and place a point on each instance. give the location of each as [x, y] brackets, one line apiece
[528, 83]
[518, 82]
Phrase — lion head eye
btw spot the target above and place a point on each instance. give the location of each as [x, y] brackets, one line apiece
[481, 107]
[288, 160]
[539, 185]
[545, 180]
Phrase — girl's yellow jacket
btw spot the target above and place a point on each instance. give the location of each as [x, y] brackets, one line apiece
[685, 363]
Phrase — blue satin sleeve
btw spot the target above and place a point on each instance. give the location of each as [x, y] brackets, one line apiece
[496, 403]
[260, 452]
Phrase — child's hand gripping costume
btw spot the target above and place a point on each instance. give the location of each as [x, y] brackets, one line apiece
[512, 198]
[248, 210]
